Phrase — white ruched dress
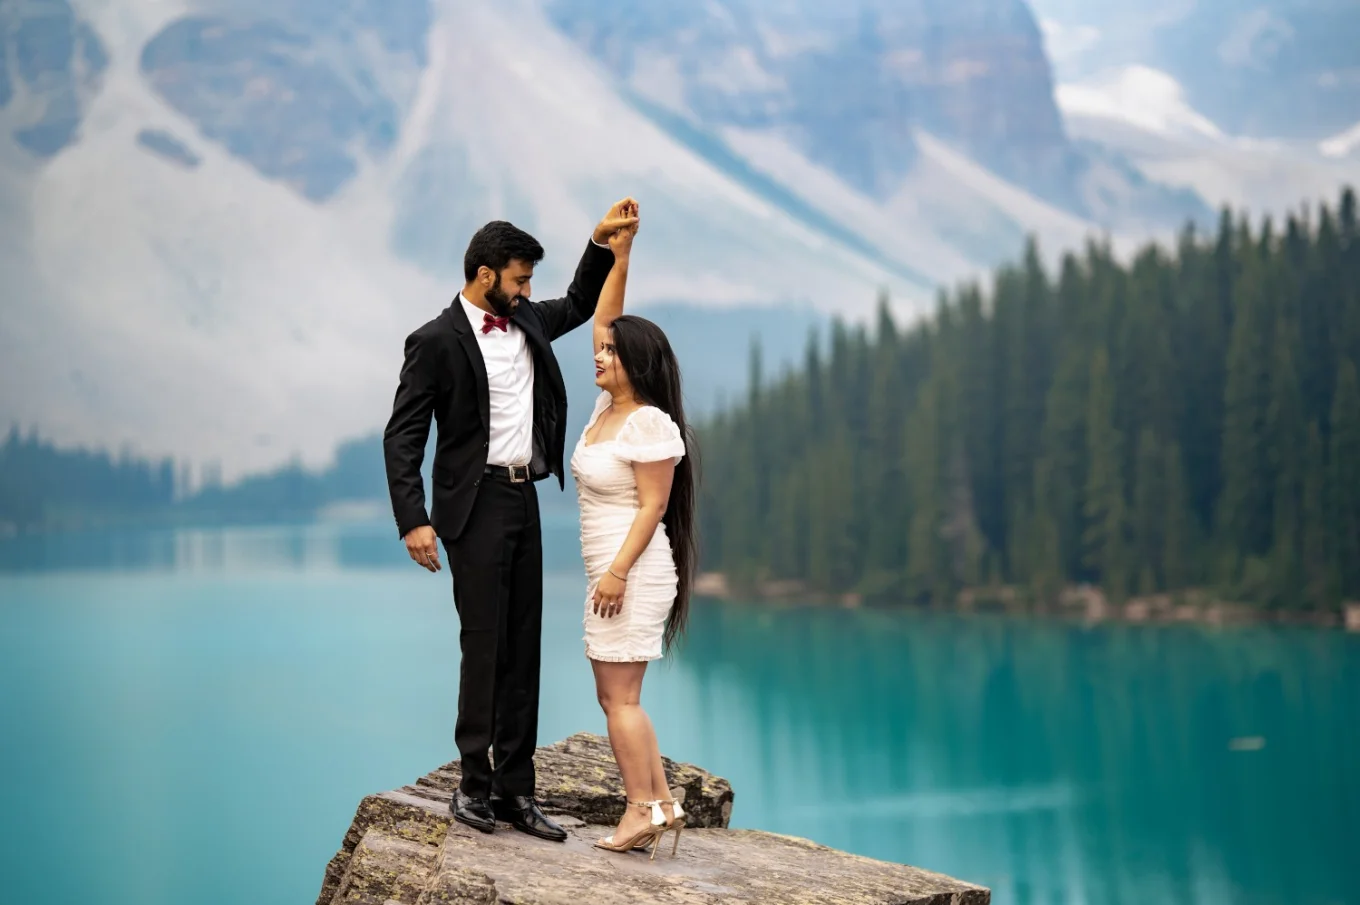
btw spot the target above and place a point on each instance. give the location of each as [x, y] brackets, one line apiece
[607, 491]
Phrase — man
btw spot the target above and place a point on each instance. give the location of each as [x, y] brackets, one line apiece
[485, 369]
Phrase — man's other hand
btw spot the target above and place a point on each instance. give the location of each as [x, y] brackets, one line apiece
[423, 547]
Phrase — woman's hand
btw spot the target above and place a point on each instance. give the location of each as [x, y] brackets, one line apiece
[608, 600]
[621, 242]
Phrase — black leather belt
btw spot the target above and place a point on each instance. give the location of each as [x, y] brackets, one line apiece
[515, 474]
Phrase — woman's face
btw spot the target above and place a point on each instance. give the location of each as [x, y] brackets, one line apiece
[609, 373]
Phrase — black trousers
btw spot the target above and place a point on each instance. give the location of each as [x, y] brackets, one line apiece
[497, 566]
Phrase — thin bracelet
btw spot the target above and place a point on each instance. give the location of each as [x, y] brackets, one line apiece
[611, 572]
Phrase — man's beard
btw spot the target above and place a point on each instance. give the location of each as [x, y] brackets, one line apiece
[500, 303]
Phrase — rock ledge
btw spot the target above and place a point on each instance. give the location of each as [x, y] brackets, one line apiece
[403, 848]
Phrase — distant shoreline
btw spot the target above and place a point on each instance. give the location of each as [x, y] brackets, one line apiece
[1082, 603]
[188, 516]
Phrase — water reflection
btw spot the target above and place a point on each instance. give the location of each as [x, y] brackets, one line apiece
[1051, 762]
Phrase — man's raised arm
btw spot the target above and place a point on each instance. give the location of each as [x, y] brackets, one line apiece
[561, 316]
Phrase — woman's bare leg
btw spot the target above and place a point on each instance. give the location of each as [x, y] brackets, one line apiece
[619, 689]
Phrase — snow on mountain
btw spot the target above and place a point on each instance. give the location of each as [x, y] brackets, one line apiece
[1233, 101]
[167, 296]
[1342, 145]
[906, 220]
[1269, 69]
[551, 138]
[1140, 96]
[223, 216]
[972, 207]
[198, 311]
[1142, 115]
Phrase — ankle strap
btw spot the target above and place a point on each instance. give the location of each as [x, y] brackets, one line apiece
[645, 804]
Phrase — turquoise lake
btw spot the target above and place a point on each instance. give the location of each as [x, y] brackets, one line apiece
[192, 717]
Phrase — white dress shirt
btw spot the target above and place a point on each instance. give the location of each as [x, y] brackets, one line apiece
[510, 382]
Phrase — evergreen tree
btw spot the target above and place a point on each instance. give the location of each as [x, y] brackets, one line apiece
[1287, 436]
[1244, 507]
[880, 474]
[1319, 586]
[1344, 489]
[1064, 447]
[927, 562]
[1191, 417]
[1105, 510]
[1045, 561]
[1179, 532]
[1149, 510]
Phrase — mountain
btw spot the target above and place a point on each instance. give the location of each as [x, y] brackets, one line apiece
[221, 217]
[1144, 116]
[1270, 69]
[851, 87]
[224, 235]
[1256, 107]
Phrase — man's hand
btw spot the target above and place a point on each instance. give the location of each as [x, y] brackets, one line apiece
[421, 545]
[623, 213]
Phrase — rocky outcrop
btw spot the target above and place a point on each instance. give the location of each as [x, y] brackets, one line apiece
[847, 83]
[294, 93]
[404, 849]
[850, 85]
[51, 63]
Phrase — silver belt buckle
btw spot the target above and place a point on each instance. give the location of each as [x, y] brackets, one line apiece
[518, 473]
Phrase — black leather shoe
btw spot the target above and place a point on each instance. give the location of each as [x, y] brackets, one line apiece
[521, 812]
[473, 812]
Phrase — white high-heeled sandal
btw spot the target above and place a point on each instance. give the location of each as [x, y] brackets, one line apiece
[676, 823]
[651, 834]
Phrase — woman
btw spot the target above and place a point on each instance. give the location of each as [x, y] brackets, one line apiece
[635, 482]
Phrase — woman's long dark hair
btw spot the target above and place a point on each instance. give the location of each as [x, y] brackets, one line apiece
[654, 373]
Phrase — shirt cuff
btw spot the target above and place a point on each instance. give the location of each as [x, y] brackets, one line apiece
[604, 245]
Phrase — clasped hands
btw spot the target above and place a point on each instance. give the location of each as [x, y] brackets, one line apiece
[617, 228]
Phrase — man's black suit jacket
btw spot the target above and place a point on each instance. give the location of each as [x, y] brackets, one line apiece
[444, 375]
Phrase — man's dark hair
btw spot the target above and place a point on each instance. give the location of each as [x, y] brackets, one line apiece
[496, 245]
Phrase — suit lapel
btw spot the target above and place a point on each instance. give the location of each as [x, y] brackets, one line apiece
[533, 332]
[462, 327]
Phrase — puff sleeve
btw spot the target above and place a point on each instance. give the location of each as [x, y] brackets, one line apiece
[650, 436]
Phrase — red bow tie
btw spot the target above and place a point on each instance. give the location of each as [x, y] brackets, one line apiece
[490, 320]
